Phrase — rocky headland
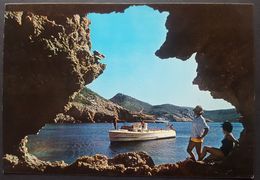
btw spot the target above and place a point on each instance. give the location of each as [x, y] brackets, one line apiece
[89, 107]
[48, 57]
[173, 112]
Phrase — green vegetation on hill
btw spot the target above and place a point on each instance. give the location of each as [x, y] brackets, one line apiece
[88, 107]
[172, 112]
[86, 96]
[222, 115]
[130, 103]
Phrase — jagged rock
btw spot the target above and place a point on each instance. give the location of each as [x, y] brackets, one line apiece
[125, 164]
[222, 38]
[26, 162]
[166, 170]
[79, 112]
[138, 163]
[62, 118]
[89, 107]
[49, 59]
[89, 164]
[133, 159]
[224, 56]
[10, 161]
[192, 168]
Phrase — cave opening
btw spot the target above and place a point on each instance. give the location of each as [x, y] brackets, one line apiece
[232, 70]
[133, 70]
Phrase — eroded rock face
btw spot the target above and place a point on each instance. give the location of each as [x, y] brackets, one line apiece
[132, 159]
[45, 63]
[222, 37]
[80, 113]
[89, 107]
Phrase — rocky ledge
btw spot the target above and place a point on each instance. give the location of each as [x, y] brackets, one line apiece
[125, 164]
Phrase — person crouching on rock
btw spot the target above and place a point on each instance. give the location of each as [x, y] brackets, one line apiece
[228, 144]
[199, 131]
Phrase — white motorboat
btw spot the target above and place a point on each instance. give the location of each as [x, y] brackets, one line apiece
[161, 120]
[139, 133]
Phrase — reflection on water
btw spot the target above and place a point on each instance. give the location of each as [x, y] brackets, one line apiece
[151, 147]
[68, 142]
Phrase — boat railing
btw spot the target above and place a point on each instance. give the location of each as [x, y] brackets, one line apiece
[136, 127]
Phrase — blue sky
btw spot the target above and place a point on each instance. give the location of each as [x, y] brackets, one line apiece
[129, 41]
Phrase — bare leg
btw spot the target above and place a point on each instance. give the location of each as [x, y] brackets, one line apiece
[204, 152]
[213, 151]
[216, 152]
[198, 150]
[189, 149]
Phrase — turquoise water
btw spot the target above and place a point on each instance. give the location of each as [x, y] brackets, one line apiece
[70, 141]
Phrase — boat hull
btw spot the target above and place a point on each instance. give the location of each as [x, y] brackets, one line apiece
[125, 135]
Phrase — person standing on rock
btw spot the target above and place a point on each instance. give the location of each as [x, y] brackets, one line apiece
[199, 131]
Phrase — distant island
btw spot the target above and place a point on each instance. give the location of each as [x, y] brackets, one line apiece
[89, 107]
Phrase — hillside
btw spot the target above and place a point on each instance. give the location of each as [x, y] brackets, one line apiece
[131, 103]
[222, 115]
[172, 112]
[89, 107]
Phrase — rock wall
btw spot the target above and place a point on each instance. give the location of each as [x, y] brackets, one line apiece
[47, 60]
[88, 107]
[222, 38]
[45, 63]
[106, 112]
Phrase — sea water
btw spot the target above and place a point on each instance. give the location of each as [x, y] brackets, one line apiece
[69, 141]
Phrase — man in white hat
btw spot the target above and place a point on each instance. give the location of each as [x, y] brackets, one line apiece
[199, 131]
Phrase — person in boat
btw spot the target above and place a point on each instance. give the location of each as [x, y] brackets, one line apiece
[115, 120]
[142, 124]
[199, 131]
[115, 123]
[228, 144]
[171, 127]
